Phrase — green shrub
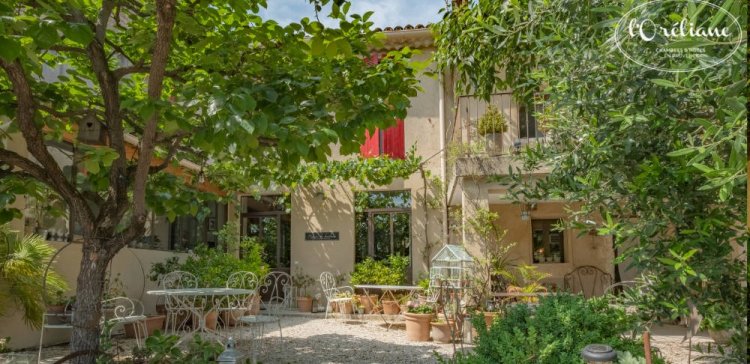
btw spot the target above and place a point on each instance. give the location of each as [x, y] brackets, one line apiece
[389, 272]
[493, 121]
[554, 331]
[213, 267]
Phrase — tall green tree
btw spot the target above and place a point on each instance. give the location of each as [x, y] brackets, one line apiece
[207, 81]
[660, 156]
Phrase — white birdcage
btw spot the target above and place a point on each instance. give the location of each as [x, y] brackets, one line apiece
[453, 265]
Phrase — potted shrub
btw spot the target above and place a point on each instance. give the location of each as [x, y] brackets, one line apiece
[441, 331]
[718, 324]
[418, 322]
[492, 125]
[391, 271]
[301, 281]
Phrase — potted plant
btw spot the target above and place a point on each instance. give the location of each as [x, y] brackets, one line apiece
[57, 302]
[440, 331]
[153, 323]
[391, 271]
[345, 307]
[719, 324]
[418, 322]
[492, 125]
[301, 281]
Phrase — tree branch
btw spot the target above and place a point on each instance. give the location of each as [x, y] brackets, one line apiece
[62, 48]
[26, 166]
[34, 138]
[165, 18]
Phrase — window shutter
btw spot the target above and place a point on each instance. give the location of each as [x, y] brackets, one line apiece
[393, 140]
[371, 147]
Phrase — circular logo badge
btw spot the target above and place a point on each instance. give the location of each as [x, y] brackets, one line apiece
[678, 35]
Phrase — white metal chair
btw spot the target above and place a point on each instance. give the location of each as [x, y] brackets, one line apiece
[237, 306]
[332, 293]
[276, 288]
[122, 311]
[179, 308]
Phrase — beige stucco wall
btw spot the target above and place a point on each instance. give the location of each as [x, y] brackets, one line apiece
[580, 249]
[331, 208]
[132, 265]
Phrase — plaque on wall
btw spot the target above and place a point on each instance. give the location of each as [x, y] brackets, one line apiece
[322, 235]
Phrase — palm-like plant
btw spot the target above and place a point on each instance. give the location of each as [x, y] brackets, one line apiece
[22, 266]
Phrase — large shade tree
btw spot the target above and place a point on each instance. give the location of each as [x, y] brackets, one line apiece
[207, 81]
[660, 156]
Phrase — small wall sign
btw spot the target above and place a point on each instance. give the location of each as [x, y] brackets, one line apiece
[322, 235]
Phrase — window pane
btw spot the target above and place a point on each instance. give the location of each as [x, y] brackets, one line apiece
[401, 234]
[548, 244]
[360, 236]
[523, 130]
[382, 235]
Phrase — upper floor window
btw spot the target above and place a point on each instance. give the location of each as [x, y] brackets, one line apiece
[388, 142]
[527, 123]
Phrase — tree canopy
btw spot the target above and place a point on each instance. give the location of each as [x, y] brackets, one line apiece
[211, 82]
[659, 156]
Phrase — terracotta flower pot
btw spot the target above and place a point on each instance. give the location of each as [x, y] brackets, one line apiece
[254, 306]
[418, 326]
[231, 317]
[390, 307]
[211, 318]
[721, 337]
[441, 332]
[304, 304]
[153, 323]
[368, 302]
[346, 308]
[489, 318]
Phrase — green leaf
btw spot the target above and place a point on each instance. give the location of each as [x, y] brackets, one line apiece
[663, 82]
[10, 49]
[78, 33]
[316, 46]
[681, 152]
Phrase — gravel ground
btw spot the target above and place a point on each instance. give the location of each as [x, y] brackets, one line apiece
[315, 340]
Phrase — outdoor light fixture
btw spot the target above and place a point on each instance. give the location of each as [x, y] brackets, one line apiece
[526, 210]
[524, 215]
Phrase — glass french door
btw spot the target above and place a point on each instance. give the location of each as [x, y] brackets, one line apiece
[273, 232]
[389, 234]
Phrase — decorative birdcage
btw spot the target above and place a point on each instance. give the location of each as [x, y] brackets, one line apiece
[452, 264]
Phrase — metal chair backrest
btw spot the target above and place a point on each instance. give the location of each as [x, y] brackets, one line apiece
[328, 284]
[121, 308]
[243, 280]
[178, 280]
[588, 280]
[276, 288]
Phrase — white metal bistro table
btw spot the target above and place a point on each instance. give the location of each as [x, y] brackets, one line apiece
[213, 296]
[387, 290]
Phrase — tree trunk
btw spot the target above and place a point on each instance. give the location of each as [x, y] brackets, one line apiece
[86, 318]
